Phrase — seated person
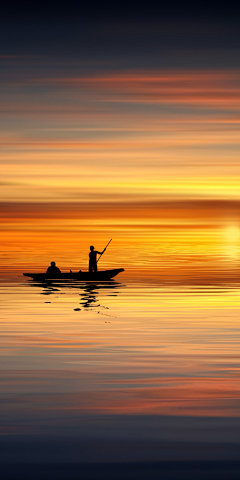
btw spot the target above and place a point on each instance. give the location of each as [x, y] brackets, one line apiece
[53, 271]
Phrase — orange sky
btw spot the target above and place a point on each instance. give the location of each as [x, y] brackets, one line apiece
[140, 135]
[148, 157]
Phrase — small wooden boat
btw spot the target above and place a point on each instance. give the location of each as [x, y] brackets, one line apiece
[82, 276]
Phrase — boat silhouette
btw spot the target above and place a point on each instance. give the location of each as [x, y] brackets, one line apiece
[101, 275]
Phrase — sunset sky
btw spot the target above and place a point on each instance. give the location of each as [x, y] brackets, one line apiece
[122, 126]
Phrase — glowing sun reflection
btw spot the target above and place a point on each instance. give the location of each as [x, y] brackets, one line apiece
[232, 237]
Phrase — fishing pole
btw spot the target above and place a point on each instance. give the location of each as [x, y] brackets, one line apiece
[104, 250]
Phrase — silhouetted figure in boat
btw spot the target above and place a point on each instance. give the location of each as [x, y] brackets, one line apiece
[53, 271]
[93, 259]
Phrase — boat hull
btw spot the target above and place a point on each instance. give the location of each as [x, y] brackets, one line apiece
[81, 276]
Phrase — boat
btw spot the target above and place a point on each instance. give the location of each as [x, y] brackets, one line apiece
[102, 275]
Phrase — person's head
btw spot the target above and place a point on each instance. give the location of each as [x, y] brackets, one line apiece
[53, 264]
[91, 248]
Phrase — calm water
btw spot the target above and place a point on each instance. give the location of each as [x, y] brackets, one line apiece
[119, 372]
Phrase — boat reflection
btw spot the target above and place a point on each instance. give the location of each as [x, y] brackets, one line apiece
[90, 293]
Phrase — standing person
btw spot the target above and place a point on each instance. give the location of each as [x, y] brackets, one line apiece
[93, 259]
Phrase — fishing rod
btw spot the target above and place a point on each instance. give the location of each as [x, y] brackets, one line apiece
[104, 250]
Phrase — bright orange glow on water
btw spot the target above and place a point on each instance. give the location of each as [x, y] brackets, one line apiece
[131, 349]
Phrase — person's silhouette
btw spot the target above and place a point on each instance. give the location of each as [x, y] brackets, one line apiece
[93, 259]
[53, 271]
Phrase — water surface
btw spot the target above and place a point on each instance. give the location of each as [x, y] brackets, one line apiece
[119, 371]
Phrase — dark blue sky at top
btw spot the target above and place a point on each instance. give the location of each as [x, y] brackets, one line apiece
[171, 35]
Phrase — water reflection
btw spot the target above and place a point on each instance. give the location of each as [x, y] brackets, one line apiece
[90, 293]
[167, 356]
[89, 296]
